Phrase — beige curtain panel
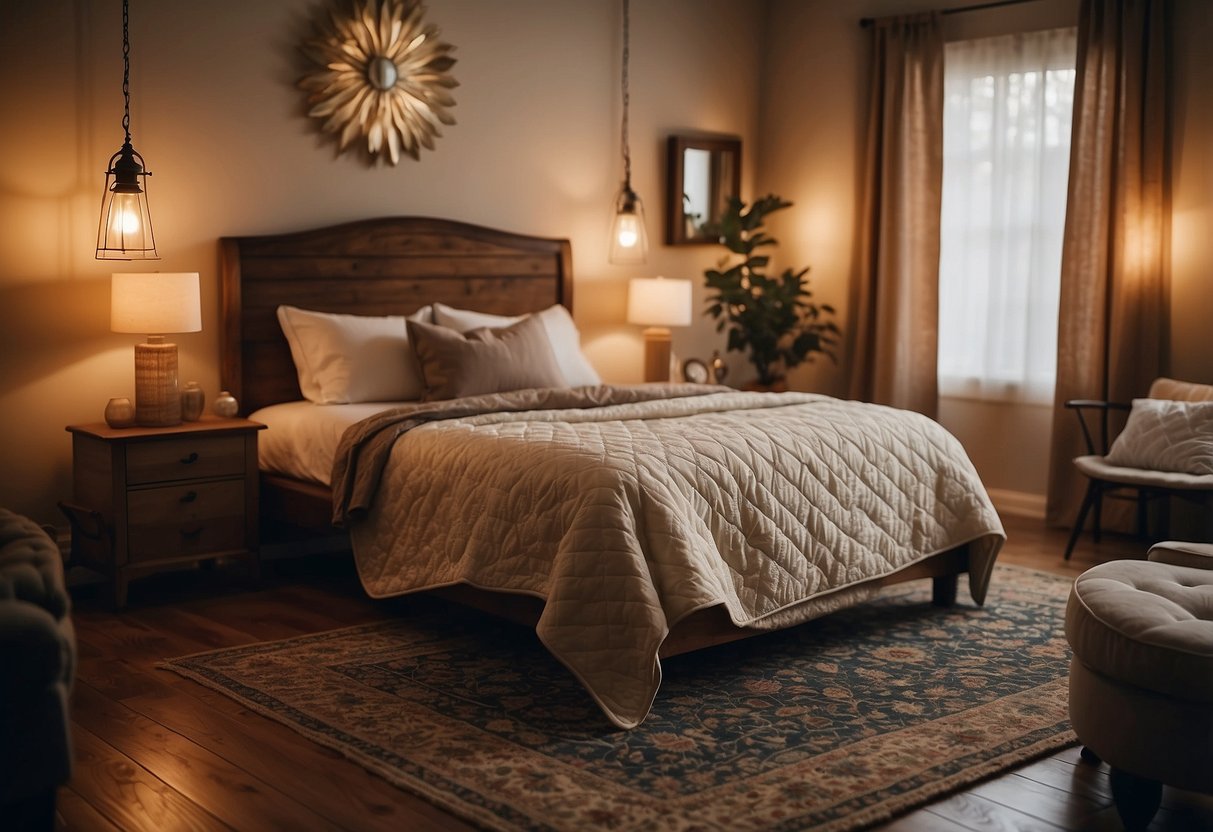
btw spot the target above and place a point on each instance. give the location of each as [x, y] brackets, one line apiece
[1113, 327]
[893, 332]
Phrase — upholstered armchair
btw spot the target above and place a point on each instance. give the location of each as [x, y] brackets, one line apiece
[1165, 450]
[37, 662]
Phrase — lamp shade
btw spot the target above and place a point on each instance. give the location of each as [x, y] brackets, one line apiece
[155, 303]
[656, 301]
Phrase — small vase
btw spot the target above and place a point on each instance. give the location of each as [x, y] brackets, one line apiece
[192, 401]
[119, 412]
[225, 405]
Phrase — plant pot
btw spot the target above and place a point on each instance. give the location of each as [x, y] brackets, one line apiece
[779, 385]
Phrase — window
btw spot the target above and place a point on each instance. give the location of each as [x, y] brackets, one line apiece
[1007, 111]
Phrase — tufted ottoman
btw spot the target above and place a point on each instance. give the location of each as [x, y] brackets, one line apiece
[37, 659]
[1141, 680]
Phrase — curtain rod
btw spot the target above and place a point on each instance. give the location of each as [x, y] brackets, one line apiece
[868, 21]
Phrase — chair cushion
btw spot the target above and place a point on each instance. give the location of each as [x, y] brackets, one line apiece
[1146, 624]
[37, 662]
[1177, 553]
[1181, 391]
[31, 568]
[1097, 468]
[1163, 435]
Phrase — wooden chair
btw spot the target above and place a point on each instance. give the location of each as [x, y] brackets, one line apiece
[1148, 485]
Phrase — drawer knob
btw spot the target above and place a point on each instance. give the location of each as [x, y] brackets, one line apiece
[191, 459]
[191, 534]
[189, 496]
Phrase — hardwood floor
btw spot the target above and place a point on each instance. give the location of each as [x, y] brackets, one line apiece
[156, 752]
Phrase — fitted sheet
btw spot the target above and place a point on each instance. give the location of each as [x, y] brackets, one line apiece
[301, 438]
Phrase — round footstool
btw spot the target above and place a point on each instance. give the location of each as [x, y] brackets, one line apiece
[1141, 679]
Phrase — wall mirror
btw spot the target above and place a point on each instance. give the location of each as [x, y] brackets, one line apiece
[703, 174]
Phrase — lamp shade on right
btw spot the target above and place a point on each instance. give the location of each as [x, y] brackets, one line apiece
[658, 301]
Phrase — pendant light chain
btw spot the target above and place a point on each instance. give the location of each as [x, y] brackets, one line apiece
[629, 240]
[126, 70]
[627, 154]
[124, 229]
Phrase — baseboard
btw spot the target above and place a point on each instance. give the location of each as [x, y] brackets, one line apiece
[1018, 503]
[73, 576]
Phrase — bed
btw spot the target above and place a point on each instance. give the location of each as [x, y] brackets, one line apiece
[818, 506]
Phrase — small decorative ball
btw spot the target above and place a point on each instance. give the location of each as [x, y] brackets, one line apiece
[225, 405]
[119, 412]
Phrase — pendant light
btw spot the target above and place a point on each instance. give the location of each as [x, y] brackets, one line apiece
[125, 229]
[629, 240]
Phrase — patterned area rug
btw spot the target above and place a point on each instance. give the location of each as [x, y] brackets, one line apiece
[837, 724]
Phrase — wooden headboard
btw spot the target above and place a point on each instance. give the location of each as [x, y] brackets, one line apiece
[389, 266]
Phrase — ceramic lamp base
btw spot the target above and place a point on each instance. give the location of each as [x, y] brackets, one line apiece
[157, 398]
[656, 354]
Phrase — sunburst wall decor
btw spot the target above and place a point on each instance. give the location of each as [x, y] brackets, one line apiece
[381, 74]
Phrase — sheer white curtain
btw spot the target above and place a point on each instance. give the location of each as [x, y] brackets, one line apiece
[1007, 112]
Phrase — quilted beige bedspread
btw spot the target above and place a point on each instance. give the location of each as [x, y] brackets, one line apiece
[627, 509]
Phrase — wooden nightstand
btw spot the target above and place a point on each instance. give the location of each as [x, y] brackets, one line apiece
[149, 499]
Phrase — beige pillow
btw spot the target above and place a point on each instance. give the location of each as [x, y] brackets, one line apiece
[562, 334]
[1164, 435]
[342, 359]
[484, 360]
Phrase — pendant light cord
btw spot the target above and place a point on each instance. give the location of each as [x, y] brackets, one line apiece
[627, 154]
[126, 70]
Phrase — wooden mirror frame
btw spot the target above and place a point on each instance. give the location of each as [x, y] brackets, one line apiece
[720, 147]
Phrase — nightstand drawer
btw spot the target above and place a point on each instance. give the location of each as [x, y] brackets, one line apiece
[186, 458]
[186, 519]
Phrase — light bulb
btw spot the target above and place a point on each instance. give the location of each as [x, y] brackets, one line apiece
[130, 222]
[124, 215]
[628, 232]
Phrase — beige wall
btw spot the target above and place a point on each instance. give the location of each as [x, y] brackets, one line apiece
[813, 122]
[535, 150]
[216, 115]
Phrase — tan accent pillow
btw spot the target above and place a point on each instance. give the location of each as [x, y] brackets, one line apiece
[562, 335]
[484, 360]
[1163, 435]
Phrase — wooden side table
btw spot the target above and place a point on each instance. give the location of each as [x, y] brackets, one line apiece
[150, 499]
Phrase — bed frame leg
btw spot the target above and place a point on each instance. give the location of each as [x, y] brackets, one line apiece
[943, 590]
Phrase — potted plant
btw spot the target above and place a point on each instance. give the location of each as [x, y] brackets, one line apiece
[774, 318]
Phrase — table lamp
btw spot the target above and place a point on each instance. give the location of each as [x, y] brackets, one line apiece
[658, 303]
[156, 304]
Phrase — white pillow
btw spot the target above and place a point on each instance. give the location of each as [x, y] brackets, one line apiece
[562, 334]
[1165, 435]
[342, 359]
